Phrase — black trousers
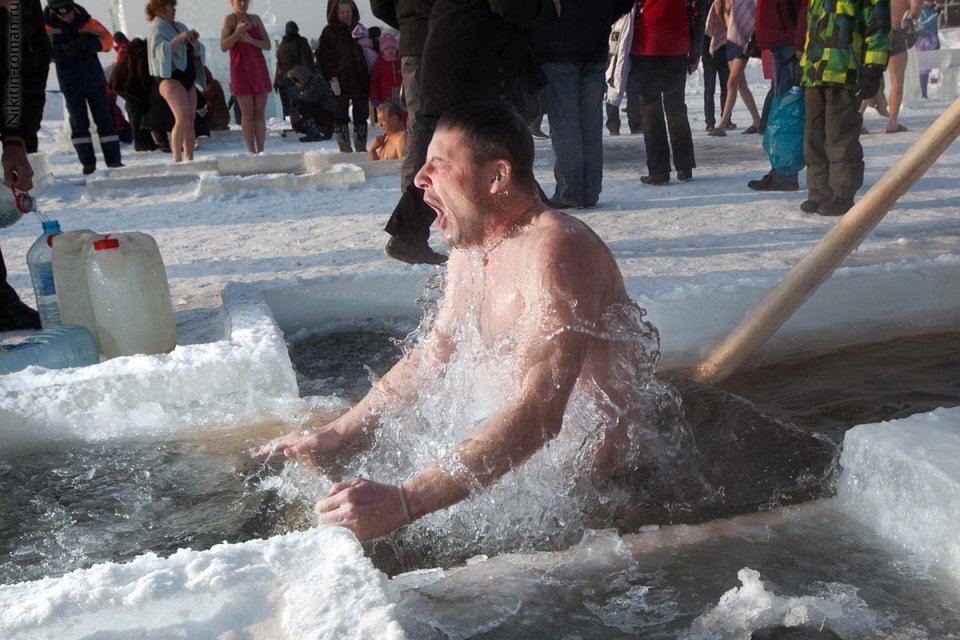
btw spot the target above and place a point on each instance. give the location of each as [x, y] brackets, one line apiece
[411, 218]
[14, 314]
[662, 81]
[714, 66]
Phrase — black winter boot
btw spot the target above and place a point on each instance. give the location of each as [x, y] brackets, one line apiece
[342, 133]
[360, 136]
[313, 131]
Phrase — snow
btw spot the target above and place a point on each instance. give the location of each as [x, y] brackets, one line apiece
[262, 254]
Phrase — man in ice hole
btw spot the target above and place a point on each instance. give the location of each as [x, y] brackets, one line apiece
[516, 267]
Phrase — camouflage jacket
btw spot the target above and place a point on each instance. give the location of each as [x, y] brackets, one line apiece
[842, 36]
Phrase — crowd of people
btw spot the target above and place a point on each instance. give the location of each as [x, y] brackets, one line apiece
[563, 58]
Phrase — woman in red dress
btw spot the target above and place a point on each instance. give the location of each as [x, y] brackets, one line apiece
[245, 37]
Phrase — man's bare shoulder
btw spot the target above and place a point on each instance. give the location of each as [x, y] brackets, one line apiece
[560, 235]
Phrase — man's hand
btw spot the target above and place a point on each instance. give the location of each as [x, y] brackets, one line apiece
[299, 443]
[369, 509]
[17, 171]
[870, 79]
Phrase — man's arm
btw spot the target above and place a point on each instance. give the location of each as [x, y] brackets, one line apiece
[24, 100]
[397, 388]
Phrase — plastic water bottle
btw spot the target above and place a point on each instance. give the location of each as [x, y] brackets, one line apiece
[40, 263]
[69, 345]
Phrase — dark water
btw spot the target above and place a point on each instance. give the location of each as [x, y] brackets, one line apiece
[81, 503]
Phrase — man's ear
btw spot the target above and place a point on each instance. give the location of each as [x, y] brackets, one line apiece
[500, 181]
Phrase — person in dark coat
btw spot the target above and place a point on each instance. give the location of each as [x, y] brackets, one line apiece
[293, 50]
[573, 53]
[217, 115]
[28, 58]
[131, 80]
[475, 51]
[345, 68]
[312, 108]
[776, 29]
[76, 39]
[411, 17]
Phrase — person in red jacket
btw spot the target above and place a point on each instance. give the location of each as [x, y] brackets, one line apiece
[386, 76]
[776, 29]
[666, 48]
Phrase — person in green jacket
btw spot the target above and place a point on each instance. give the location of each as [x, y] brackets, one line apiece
[845, 45]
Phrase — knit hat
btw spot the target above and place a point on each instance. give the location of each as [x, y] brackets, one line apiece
[359, 32]
[388, 40]
[292, 29]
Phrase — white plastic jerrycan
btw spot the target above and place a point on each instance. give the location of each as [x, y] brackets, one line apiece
[130, 295]
[70, 278]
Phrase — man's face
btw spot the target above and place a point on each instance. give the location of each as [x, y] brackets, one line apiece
[456, 188]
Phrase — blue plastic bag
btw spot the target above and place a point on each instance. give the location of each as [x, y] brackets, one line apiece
[783, 138]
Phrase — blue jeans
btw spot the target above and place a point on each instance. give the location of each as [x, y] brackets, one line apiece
[575, 98]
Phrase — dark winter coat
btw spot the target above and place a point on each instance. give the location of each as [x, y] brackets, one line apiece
[23, 101]
[75, 46]
[478, 50]
[581, 34]
[411, 17]
[293, 50]
[776, 22]
[341, 57]
[130, 78]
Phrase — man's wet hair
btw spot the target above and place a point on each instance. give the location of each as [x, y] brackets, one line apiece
[390, 109]
[494, 131]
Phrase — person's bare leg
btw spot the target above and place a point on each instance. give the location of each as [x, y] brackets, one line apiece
[897, 66]
[248, 122]
[190, 132]
[736, 66]
[179, 102]
[260, 109]
[748, 100]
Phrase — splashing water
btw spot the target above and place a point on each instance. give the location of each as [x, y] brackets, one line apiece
[662, 470]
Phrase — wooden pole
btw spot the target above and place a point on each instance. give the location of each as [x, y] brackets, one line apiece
[826, 256]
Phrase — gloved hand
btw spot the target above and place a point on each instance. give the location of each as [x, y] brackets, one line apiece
[92, 41]
[870, 78]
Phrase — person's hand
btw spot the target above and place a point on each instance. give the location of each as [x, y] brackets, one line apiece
[369, 509]
[300, 443]
[92, 41]
[242, 26]
[870, 79]
[692, 65]
[335, 86]
[17, 171]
